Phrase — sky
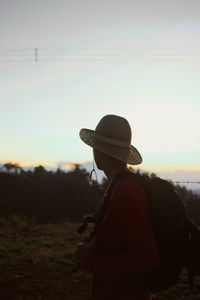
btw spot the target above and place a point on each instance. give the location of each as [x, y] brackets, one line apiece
[66, 64]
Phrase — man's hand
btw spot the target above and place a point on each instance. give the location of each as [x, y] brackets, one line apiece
[83, 253]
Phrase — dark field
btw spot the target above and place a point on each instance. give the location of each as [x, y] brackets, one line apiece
[36, 263]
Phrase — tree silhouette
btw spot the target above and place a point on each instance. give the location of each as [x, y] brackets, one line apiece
[39, 171]
[8, 166]
[54, 196]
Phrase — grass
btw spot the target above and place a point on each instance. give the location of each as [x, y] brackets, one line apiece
[29, 242]
[36, 261]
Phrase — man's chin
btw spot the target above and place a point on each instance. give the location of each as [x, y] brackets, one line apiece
[99, 167]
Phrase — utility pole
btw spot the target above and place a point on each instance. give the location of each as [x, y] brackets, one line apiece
[36, 54]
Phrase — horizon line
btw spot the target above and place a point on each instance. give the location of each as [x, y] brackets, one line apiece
[70, 164]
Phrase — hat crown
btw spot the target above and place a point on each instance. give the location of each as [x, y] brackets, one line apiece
[114, 127]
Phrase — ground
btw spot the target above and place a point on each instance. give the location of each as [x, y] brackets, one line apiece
[55, 282]
[36, 262]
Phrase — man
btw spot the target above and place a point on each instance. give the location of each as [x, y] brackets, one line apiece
[123, 245]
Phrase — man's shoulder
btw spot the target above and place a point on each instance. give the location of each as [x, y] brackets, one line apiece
[128, 185]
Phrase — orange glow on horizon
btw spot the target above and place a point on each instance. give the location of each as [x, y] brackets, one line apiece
[65, 165]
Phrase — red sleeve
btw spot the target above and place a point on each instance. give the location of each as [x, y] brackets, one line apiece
[128, 208]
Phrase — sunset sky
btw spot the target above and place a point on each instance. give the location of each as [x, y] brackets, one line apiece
[66, 64]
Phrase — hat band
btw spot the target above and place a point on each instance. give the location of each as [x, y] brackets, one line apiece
[107, 140]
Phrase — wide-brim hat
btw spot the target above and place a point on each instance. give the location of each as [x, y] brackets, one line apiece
[112, 136]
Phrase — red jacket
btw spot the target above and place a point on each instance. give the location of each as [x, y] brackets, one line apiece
[126, 245]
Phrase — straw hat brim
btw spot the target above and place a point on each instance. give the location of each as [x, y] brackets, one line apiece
[128, 154]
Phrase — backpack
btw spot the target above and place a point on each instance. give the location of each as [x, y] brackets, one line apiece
[176, 235]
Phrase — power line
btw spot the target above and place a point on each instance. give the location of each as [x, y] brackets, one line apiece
[196, 182]
[99, 54]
